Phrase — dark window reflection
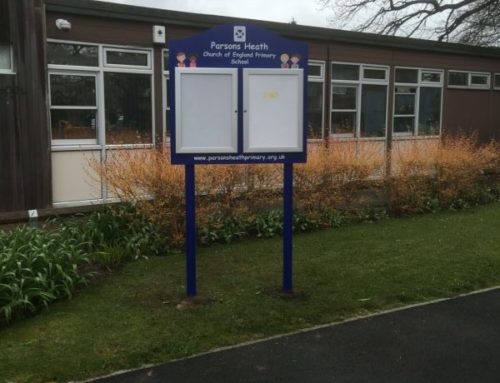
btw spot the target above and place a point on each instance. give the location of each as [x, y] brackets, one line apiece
[407, 75]
[72, 54]
[314, 70]
[344, 123]
[458, 78]
[70, 124]
[430, 111]
[128, 108]
[127, 58]
[373, 111]
[315, 112]
[345, 72]
[343, 97]
[72, 90]
[404, 124]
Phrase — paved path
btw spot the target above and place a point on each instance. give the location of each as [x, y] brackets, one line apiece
[452, 341]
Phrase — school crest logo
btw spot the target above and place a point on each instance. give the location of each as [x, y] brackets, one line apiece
[240, 34]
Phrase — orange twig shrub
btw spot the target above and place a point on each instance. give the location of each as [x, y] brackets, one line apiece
[425, 175]
[332, 176]
[429, 174]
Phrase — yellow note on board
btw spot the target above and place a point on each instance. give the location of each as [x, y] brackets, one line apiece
[271, 94]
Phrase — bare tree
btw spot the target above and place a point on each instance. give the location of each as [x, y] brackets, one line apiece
[467, 21]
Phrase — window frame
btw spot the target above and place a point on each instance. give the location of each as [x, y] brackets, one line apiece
[319, 79]
[165, 104]
[321, 65]
[358, 84]
[12, 69]
[480, 86]
[77, 141]
[418, 85]
[495, 85]
[107, 48]
[100, 70]
[469, 85]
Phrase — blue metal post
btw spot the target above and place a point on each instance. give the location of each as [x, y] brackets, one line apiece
[287, 227]
[190, 231]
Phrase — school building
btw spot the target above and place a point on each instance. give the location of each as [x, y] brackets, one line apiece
[82, 79]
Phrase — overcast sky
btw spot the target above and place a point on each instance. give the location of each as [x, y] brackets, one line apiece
[305, 12]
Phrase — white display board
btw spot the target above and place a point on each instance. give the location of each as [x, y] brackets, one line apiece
[273, 110]
[206, 110]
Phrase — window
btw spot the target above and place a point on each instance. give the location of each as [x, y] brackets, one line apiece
[417, 102]
[6, 59]
[473, 80]
[99, 94]
[73, 108]
[359, 100]
[315, 94]
[374, 73]
[128, 111]
[72, 54]
[497, 81]
[480, 80]
[127, 58]
[458, 79]
[316, 70]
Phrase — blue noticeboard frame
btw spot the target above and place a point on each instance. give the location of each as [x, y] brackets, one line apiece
[238, 47]
[247, 50]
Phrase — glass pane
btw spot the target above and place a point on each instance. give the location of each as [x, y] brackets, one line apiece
[375, 74]
[345, 72]
[429, 111]
[458, 78]
[343, 97]
[127, 58]
[72, 90]
[167, 123]
[167, 79]
[5, 58]
[405, 89]
[315, 111]
[478, 79]
[314, 70]
[73, 124]
[404, 124]
[431, 77]
[165, 60]
[128, 108]
[373, 110]
[404, 104]
[409, 76]
[344, 122]
[497, 80]
[72, 54]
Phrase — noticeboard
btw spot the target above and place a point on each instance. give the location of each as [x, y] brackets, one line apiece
[238, 96]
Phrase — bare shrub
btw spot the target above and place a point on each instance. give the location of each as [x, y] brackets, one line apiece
[425, 176]
[428, 175]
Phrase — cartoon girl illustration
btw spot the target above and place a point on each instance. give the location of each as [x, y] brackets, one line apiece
[193, 57]
[295, 60]
[181, 57]
[284, 61]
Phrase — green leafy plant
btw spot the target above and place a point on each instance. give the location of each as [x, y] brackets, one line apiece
[36, 268]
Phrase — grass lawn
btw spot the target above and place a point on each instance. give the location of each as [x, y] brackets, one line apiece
[130, 318]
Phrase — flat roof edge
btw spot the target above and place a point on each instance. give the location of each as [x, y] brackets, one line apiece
[161, 16]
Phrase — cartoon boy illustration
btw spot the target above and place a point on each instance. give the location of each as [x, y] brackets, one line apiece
[295, 60]
[193, 57]
[284, 61]
[181, 57]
